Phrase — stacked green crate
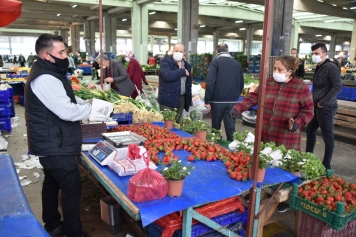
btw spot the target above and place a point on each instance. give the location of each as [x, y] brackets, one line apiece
[199, 69]
[193, 63]
[206, 62]
[242, 59]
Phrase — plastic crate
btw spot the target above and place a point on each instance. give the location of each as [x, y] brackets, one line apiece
[236, 228]
[4, 110]
[5, 124]
[234, 221]
[336, 220]
[123, 118]
[347, 93]
[198, 79]
[4, 97]
[22, 100]
[12, 111]
[10, 92]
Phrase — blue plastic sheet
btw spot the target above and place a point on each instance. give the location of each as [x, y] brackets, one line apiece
[16, 217]
[207, 183]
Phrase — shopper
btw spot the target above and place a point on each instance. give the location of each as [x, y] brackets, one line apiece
[53, 116]
[22, 60]
[327, 85]
[115, 73]
[30, 60]
[75, 59]
[15, 59]
[136, 74]
[71, 65]
[1, 62]
[175, 82]
[224, 84]
[300, 72]
[288, 105]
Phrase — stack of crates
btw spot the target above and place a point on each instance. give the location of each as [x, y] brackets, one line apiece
[242, 59]
[6, 108]
[254, 64]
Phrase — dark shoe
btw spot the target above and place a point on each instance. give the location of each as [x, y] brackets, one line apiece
[247, 197]
[57, 232]
[282, 207]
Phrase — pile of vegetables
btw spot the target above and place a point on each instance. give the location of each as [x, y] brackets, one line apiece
[122, 104]
[307, 164]
[191, 126]
[327, 191]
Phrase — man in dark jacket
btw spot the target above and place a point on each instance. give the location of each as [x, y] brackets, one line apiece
[327, 85]
[223, 87]
[22, 60]
[300, 71]
[53, 116]
[175, 82]
[115, 73]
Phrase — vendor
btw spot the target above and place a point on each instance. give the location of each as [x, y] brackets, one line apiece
[288, 105]
[115, 73]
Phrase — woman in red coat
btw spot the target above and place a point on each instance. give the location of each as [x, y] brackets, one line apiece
[135, 74]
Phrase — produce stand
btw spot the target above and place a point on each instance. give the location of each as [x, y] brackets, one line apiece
[207, 183]
[15, 212]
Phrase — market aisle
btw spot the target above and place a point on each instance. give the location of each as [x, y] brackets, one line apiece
[343, 164]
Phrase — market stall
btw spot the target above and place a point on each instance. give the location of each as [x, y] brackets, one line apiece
[207, 183]
[86, 68]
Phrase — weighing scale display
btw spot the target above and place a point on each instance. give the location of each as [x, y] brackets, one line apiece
[101, 151]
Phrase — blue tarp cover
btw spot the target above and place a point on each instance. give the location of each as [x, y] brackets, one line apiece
[16, 217]
[207, 183]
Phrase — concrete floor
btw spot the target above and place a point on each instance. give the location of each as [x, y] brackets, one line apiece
[343, 163]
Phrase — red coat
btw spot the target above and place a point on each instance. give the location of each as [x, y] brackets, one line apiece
[136, 75]
[282, 101]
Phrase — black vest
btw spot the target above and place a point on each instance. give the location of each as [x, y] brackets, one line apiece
[48, 135]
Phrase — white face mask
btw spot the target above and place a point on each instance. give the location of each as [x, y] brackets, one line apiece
[316, 59]
[177, 56]
[280, 77]
[127, 59]
[104, 67]
[294, 55]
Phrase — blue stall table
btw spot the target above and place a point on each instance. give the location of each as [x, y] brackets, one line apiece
[207, 183]
[16, 217]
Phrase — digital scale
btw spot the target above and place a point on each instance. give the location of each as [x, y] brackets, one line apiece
[115, 146]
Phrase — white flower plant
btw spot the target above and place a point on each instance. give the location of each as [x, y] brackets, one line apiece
[175, 170]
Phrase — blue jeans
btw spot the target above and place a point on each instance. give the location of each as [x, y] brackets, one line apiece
[323, 118]
[61, 172]
[219, 112]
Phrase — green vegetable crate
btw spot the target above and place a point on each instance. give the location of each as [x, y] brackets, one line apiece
[336, 220]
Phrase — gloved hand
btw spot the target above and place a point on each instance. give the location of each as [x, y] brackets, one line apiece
[234, 114]
[146, 83]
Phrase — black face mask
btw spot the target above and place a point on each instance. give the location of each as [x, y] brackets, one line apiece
[62, 63]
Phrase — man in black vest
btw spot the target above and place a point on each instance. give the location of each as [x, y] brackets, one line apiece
[53, 117]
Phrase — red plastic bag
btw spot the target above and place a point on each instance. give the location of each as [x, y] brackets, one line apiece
[147, 184]
[133, 152]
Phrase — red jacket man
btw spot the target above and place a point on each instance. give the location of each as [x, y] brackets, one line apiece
[135, 74]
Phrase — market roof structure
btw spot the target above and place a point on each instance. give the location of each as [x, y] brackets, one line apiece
[231, 17]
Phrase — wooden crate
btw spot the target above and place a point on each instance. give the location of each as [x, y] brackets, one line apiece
[345, 119]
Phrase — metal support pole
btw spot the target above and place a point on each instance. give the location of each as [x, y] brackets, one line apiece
[267, 23]
[101, 41]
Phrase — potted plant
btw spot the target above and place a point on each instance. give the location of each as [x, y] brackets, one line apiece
[175, 174]
[214, 135]
[292, 162]
[169, 116]
[262, 166]
[200, 129]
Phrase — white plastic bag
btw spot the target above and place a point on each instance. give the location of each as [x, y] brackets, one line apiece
[195, 89]
[101, 109]
[125, 167]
